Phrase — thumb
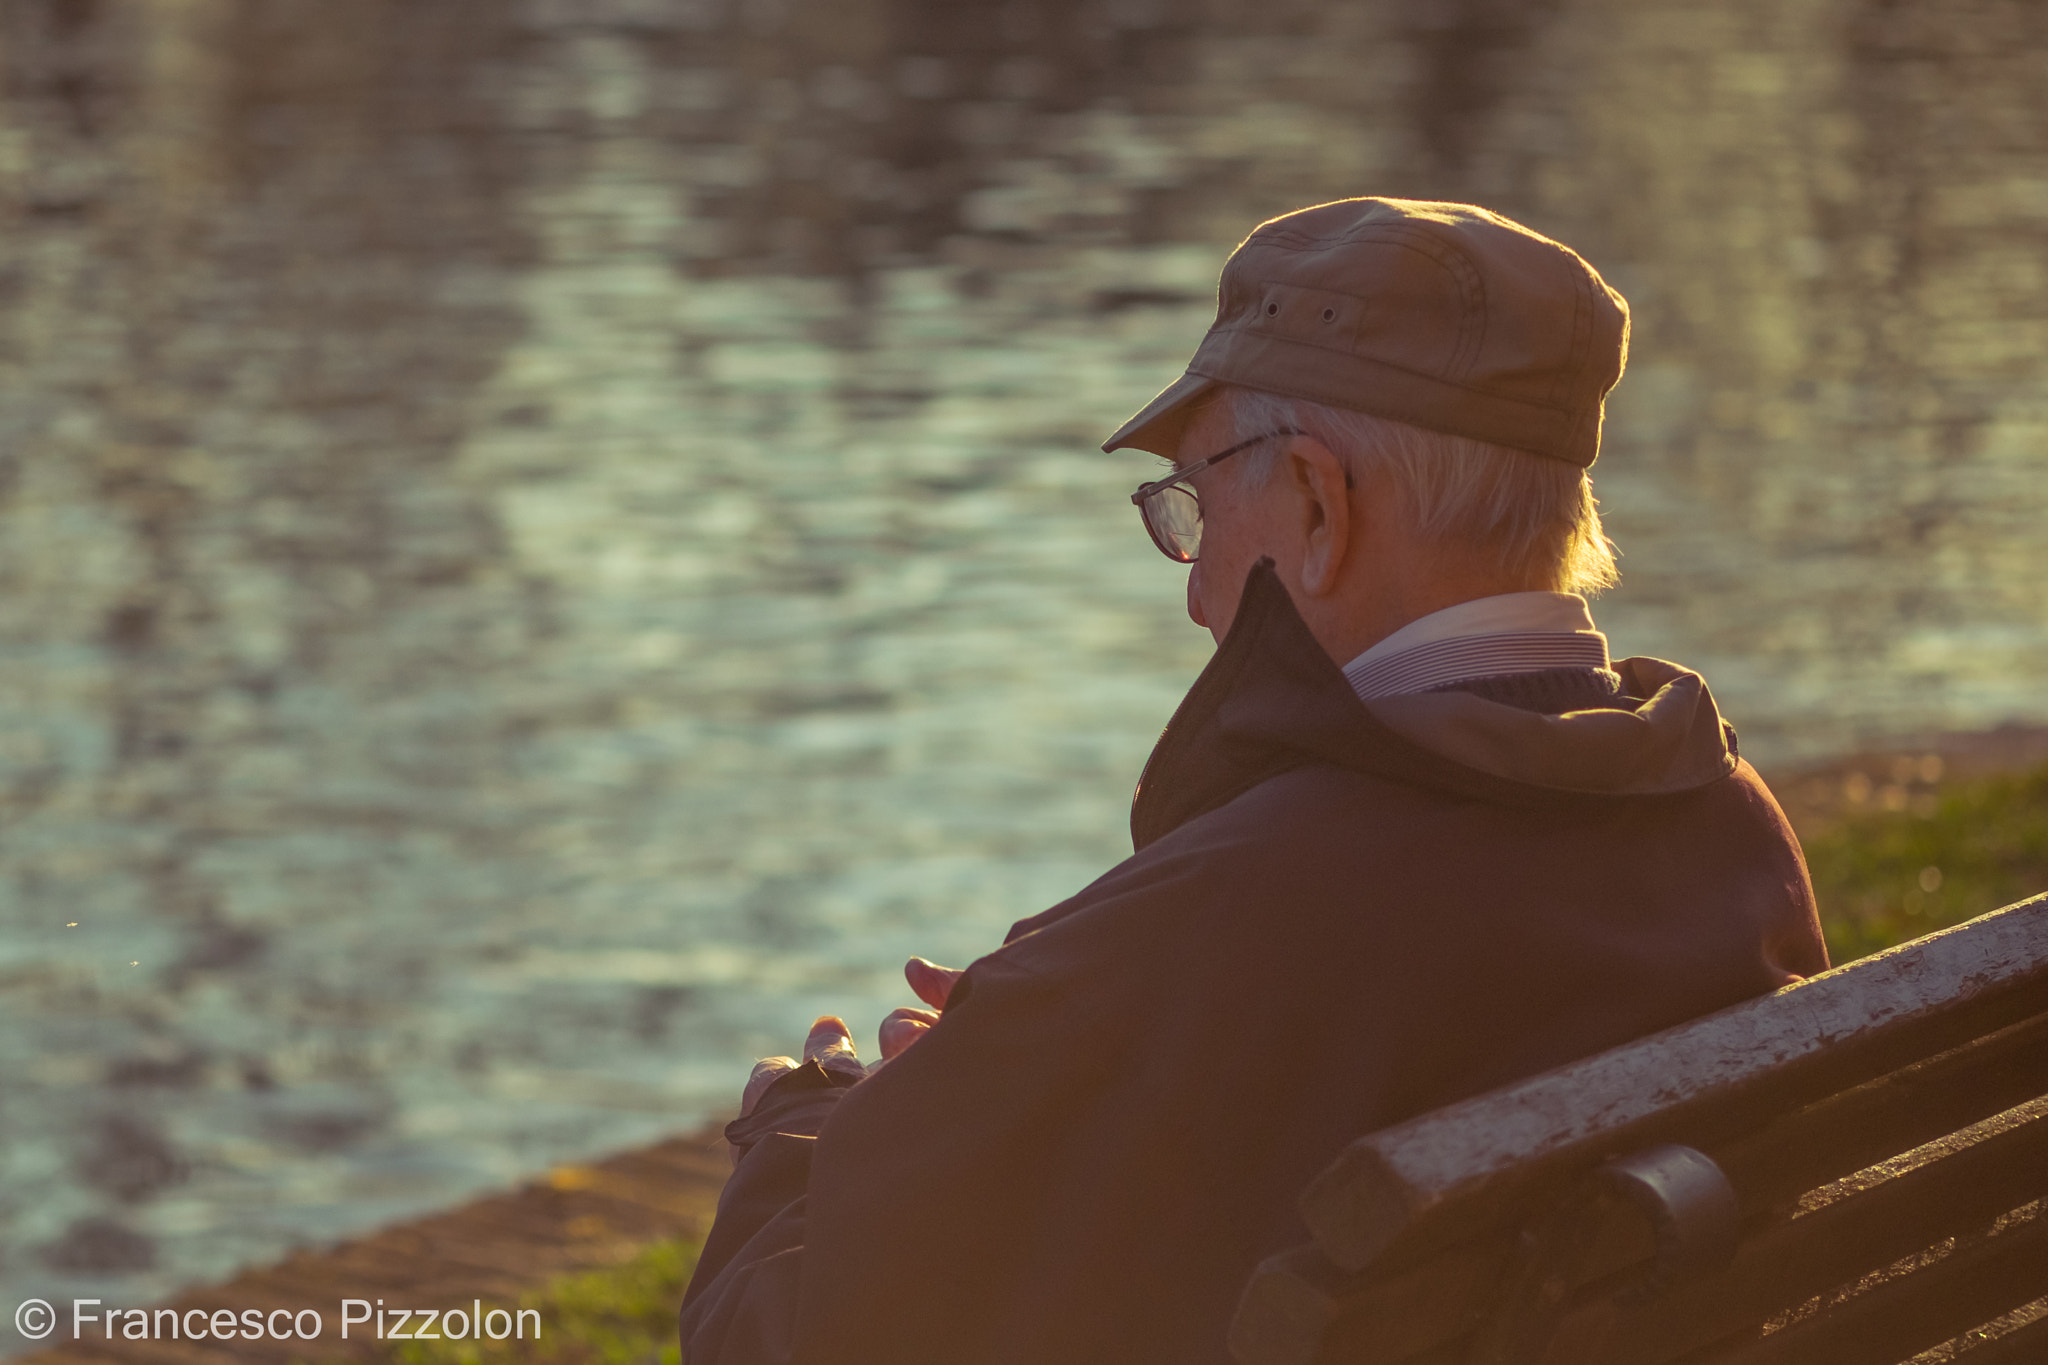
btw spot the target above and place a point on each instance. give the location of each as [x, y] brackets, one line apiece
[932, 983]
[830, 1045]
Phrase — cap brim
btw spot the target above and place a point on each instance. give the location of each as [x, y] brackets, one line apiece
[1157, 427]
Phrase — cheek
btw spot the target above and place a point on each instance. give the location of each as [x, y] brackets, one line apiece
[1227, 554]
[1213, 583]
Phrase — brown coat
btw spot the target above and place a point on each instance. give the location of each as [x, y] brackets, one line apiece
[1339, 915]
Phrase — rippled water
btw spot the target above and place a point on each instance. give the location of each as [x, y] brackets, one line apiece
[503, 626]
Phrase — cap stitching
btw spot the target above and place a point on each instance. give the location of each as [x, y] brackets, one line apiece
[1477, 324]
[1427, 241]
[1582, 333]
[1465, 277]
[1287, 227]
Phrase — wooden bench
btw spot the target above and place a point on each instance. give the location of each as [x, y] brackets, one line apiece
[1848, 1171]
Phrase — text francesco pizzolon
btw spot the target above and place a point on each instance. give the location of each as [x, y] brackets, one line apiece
[90, 1320]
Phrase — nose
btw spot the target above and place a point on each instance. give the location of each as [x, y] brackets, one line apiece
[1195, 595]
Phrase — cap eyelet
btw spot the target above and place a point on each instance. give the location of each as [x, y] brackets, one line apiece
[1272, 310]
[1329, 315]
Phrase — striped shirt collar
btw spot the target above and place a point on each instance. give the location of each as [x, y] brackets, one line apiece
[1516, 632]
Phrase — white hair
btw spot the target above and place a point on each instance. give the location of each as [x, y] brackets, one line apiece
[1532, 517]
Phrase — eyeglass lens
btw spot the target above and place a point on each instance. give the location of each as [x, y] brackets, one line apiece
[1175, 519]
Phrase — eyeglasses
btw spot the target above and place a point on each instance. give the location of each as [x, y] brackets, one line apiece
[1173, 514]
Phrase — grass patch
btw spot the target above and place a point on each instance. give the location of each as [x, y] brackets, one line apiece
[1885, 877]
[622, 1315]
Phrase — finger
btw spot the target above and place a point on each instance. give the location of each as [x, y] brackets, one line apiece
[898, 1035]
[768, 1068]
[932, 983]
[831, 1046]
[902, 1028]
[765, 1072]
[911, 1012]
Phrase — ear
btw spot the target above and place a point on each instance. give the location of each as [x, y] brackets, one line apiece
[1323, 505]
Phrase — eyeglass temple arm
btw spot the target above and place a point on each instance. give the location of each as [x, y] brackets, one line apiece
[1147, 490]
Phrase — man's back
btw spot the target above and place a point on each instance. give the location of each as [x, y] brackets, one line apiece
[1329, 926]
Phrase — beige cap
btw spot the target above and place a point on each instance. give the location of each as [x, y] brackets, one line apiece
[1444, 316]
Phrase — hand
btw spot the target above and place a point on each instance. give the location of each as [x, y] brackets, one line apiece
[829, 1045]
[933, 985]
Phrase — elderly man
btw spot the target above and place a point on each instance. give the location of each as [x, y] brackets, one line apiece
[1412, 835]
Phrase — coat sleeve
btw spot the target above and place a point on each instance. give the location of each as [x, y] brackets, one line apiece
[740, 1308]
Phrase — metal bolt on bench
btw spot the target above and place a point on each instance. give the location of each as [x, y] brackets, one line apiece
[1848, 1171]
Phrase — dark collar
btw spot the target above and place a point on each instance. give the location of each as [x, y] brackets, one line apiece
[1272, 700]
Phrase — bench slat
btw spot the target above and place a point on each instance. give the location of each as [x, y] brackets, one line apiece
[1775, 1164]
[1302, 1308]
[1931, 1305]
[1841, 1242]
[2027, 1345]
[1439, 1177]
[1411, 1309]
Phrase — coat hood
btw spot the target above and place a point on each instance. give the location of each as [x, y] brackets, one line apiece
[1271, 700]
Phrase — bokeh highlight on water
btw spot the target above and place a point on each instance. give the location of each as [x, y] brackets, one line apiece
[545, 544]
